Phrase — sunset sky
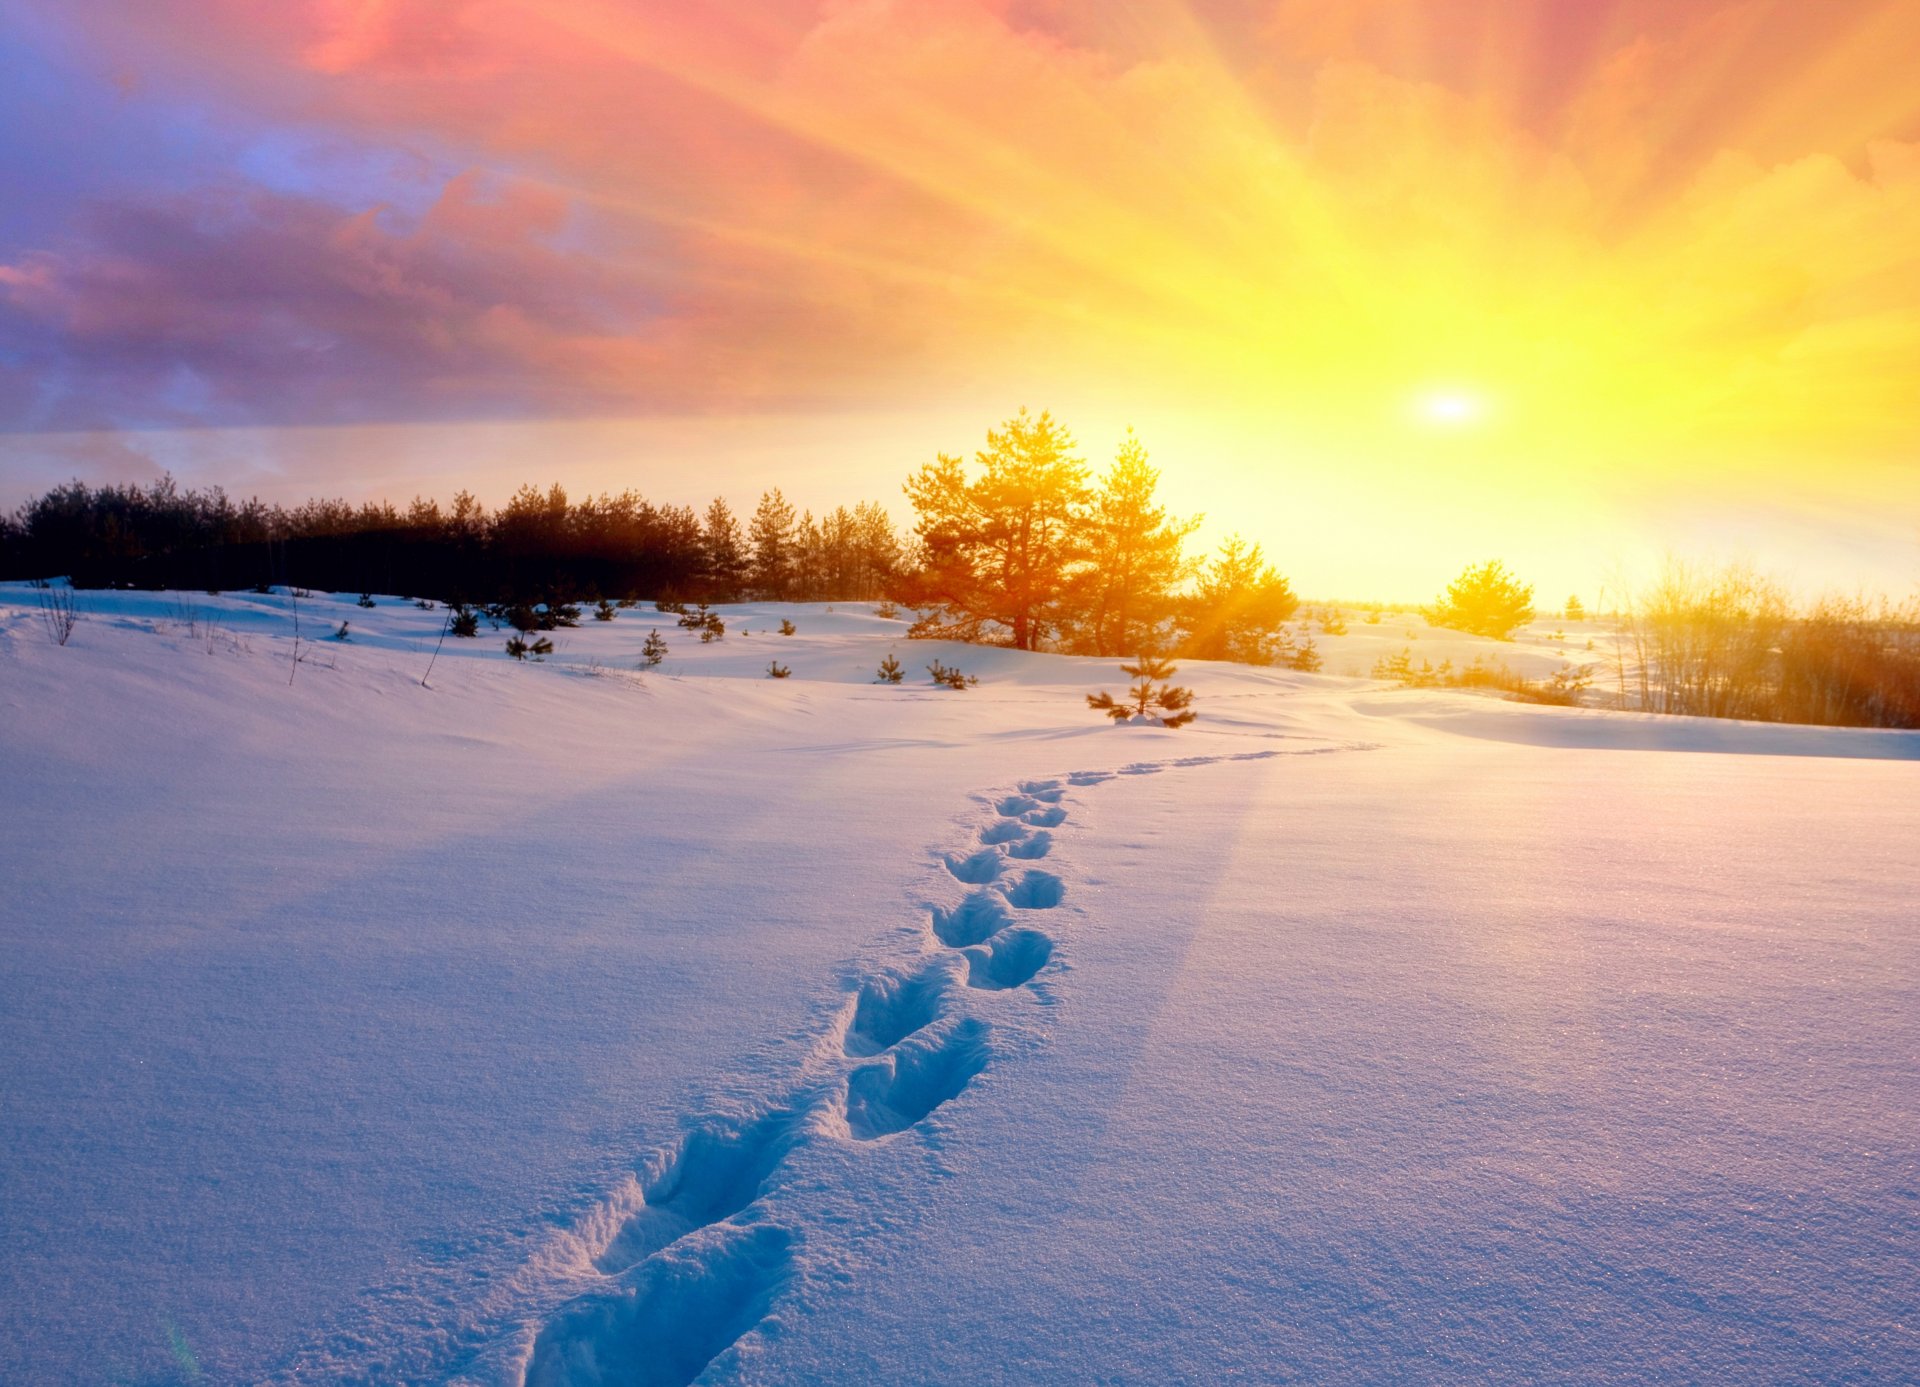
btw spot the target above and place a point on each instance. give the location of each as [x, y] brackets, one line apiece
[1388, 285]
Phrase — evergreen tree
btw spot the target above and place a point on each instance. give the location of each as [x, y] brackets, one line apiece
[655, 649]
[1135, 557]
[1238, 607]
[723, 551]
[1000, 548]
[771, 533]
[1152, 697]
[1485, 600]
[776, 670]
[604, 611]
[890, 671]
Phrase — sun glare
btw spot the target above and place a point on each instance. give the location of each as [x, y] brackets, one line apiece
[1451, 409]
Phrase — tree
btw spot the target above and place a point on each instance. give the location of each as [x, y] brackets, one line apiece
[890, 671]
[1152, 697]
[1237, 609]
[1135, 559]
[1576, 609]
[771, 533]
[722, 550]
[1485, 600]
[654, 650]
[999, 548]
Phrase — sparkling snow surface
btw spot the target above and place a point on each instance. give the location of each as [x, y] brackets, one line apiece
[564, 1024]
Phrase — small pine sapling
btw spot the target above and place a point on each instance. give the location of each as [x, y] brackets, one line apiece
[654, 651]
[517, 647]
[424, 604]
[890, 671]
[1151, 698]
[950, 676]
[886, 611]
[605, 611]
[776, 670]
[695, 619]
[787, 627]
[561, 614]
[1306, 658]
[366, 599]
[712, 629]
[341, 634]
[464, 622]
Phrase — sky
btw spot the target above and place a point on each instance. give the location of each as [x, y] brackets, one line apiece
[1387, 285]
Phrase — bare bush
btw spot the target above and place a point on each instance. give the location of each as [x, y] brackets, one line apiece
[59, 611]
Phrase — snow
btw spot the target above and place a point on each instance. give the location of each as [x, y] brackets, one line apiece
[566, 1023]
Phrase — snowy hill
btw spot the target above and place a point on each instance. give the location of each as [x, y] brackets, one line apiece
[566, 1023]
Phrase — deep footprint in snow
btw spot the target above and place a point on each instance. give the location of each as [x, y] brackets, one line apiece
[1013, 806]
[1007, 960]
[670, 1317]
[1089, 777]
[1045, 818]
[975, 870]
[1006, 831]
[1037, 890]
[719, 1169]
[904, 1086]
[893, 1006]
[1031, 848]
[977, 918]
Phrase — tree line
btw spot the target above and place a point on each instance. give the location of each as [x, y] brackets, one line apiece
[541, 545]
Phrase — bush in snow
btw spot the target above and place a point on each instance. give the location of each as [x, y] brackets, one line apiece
[1306, 658]
[776, 670]
[603, 612]
[654, 651]
[464, 622]
[58, 614]
[1576, 609]
[890, 671]
[1151, 698]
[366, 599]
[341, 634]
[787, 627]
[950, 676]
[522, 649]
[1486, 600]
[886, 611]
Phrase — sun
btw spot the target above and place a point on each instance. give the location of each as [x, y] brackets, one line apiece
[1450, 409]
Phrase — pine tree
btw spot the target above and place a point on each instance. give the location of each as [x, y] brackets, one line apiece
[1151, 696]
[655, 649]
[1307, 659]
[787, 628]
[723, 551]
[950, 676]
[1135, 557]
[1238, 607]
[999, 548]
[890, 671]
[776, 670]
[771, 534]
[464, 622]
[1485, 600]
[1576, 609]
[605, 611]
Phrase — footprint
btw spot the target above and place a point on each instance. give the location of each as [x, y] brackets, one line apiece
[1038, 788]
[1045, 818]
[903, 1086]
[1006, 831]
[980, 916]
[977, 870]
[1037, 890]
[1010, 958]
[1032, 848]
[719, 1169]
[1052, 794]
[670, 1318]
[1089, 777]
[1013, 806]
[893, 1006]
[1142, 768]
